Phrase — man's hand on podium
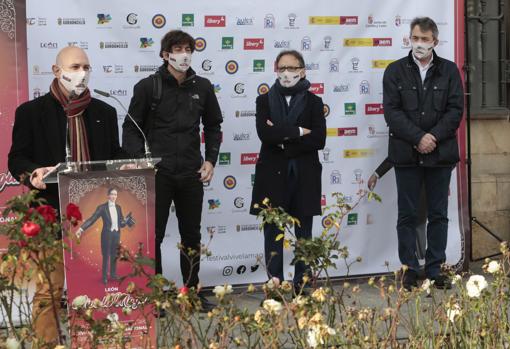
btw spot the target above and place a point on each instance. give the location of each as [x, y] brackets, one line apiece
[37, 176]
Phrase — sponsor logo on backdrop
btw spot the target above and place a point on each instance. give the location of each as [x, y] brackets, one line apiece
[254, 43]
[355, 65]
[213, 230]
[358, 176]
[239, 205]
[326, 110]
[239, 90]
[224, 159]
[245, 113]
[323, 200]
[334, 65]
[317, 88]
[188, 20]
[118, 92]
[103, 18]
[7, 180]
[312, 66]
[113, 44]
[245, 21]
[71, 21]
[214, 204]
[403, 21]
[81, 44]
[367, 42]
[333, 20]
[375, 23]
[326, 43]
[243, 136]
[374, 108]
[406, 42]
[306, 44]
[350, 108]
[358, 153]
[108, 68]
[327, 222]
[247, 227]
[36, 70]
[326, 152]
[200, 44]
[132, 19]
[227, 43]
[269, 22]
[206, 65]
[259, 65]
[349, 20]
[364, 87]
[292, 21]
[215, 21]
[41, 21]
[231, 67]
[263, 88]
[49, 45]
[335, 177]
[229, 182]
[158, 21]
[342, 131]
[370, 219]
[381, 63]
[146, 42]
[341, 88]
[282, 44]
[374, 133]
[249, 158]
[144, 68]
[352, 219]
[217, 88]
[36, 92]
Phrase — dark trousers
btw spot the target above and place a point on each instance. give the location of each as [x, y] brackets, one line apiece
[409, 182]
[109, 246]
[273, 250]
[187, 193]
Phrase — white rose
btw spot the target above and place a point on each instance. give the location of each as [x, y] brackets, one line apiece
[221, 291]
[273, 283]
[453, 312]
[456, 278]
[300, 300]
[319, 295]
[313, 337]
[79, 302]
[493, 267]
[426, 285]
[272, 306]
[12, 343]
[475, 285]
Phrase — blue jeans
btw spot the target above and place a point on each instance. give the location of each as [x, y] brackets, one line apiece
[409, 182]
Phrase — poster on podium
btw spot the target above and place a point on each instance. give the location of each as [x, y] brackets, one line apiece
[117, 209]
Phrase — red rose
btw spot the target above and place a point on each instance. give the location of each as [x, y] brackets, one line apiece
[73, 213]
[48, 213]
[22, 243]
[30, 229]
[183, 290]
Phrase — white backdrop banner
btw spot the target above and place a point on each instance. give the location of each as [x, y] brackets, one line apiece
[346, 46]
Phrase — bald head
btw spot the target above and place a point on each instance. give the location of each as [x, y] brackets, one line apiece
[72, 55]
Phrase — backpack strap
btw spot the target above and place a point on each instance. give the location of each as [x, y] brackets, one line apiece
[157, 92]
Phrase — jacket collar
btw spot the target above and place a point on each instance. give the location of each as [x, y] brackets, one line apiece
[436, 59]
[163, 70]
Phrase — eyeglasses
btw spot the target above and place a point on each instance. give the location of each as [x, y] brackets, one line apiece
[290, 69]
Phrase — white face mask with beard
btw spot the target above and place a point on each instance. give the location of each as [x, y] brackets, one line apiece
[288, 79]
[180, 61]
[422, 50]
[75, 82]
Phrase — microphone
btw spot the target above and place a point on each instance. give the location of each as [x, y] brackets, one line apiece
[148, 154]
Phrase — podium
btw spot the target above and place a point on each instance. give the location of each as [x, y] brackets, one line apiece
[118, 209]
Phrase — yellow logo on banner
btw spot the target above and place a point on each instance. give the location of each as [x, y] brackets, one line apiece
[324, 20]
[381, 63]
[358, 153]
[332, 132]
[359, 42]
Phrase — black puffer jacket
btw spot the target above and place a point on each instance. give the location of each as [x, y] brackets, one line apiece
[174, 127]
[412, 109]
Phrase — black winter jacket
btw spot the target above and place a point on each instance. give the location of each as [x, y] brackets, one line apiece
[412, 109]
[174, 127]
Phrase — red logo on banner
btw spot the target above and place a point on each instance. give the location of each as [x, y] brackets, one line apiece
[214, 21]
[374, 108]
[7, 180]
[348, 131]
[382, 41]
[254, 44]
[317, 88]
[349, 20]
[249, 158]
[203, 137]
[323, 200]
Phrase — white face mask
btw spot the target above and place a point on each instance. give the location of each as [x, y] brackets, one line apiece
[422, 50]
[288, 79]
[180, 61]
[75, 82]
